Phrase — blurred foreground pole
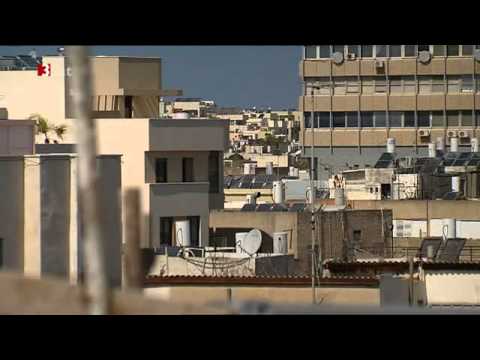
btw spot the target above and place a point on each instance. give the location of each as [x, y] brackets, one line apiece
[133, 260]
[94, 255]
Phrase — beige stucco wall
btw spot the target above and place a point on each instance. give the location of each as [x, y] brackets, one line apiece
[279, 295]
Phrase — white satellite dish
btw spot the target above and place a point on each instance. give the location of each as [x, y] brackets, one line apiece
[252, 242]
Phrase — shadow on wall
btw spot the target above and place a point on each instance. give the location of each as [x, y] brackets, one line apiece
[226, 237]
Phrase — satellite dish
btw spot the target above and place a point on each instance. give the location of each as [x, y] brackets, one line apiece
[476, 55]
[252, 242]
[424, 56]
[337, 57]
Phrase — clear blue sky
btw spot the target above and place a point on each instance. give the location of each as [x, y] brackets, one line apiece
[230, 75]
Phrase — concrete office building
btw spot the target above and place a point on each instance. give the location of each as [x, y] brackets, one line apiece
[365, 94]
[40, 232]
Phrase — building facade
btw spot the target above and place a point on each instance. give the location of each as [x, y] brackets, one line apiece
[361, 95]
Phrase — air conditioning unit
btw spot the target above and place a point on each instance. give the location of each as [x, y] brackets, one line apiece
[463, 134]
[451, 133]
[351, 56]
[424, 133]
[379, 64]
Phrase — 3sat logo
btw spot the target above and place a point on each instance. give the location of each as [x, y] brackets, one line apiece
[44, 70]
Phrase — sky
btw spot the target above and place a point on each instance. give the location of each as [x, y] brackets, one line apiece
[243, 76]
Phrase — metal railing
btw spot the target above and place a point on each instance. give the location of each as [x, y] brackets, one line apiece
[468, 253]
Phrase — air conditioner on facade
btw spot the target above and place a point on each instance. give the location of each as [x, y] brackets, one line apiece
[451, 133]
[463, 134]
[424, 133]
[379, 64]
[351, 56]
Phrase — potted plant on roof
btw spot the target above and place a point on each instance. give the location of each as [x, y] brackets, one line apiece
[60, 130]
[42, 126]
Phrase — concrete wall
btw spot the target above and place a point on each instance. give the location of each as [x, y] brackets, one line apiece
[17, 137]
[280, 295]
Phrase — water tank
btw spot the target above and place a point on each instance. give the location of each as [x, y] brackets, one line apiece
[239, 239]
[269, 168]
[181, 115]
[310, 195]
[278, 192]
[440, 144]
[251, 199]
[249, 168]
[295, 172]
[432, 151]
[453, 144]
[456, 183]
[291, 171]
[474, 144]
[280, 243]
[269, 149]
[391, 145]
[182, 232]
[448, 228]
[339, 197]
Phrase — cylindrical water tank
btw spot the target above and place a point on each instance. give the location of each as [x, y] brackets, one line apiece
[239, 239]
[269, 168]
[296, 172]
[269, 149]
[440, 144]
[339, 196]
[278, 192]
[251, 199]
[456, 183]
[453, 144]
[448, 228]
[280, 243]
[474, 144]
[391, 145]
[181, 115]
[432, 151]
[182, 232]
[291, 171]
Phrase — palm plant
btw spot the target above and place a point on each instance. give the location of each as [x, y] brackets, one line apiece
[60, 130]
[42, 126]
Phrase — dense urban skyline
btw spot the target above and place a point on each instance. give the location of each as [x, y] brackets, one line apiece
[243, 76]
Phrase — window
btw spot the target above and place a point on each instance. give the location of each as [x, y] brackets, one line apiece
[324, 118]
[338, 119]
[166, 224]
[325, 51]
[467, 118]
[339, 85]
[423, 119]
[339, 48]
[409, 86]
[352, 85]
[438, 119]
[161, 170]
[395, 118]
[380, 118]
[366, 119]
[467, 83]
[357, 237]
[367, 51]
[380, 85]
[438, 84]
[306, 118]
[409, 50]
[409, 119]
[424, 84]
[438, 50]
[452, 50]
[467, 50]
[214, 172]
[319, 86]
[352, 119]
[310, 52]
[395, 85]
[354, 49]
[452, 118]
[367, 85]
[395, 51]
[453, 84]
[187, 167]
[381, 50]
[128, 107]
[194, 222]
